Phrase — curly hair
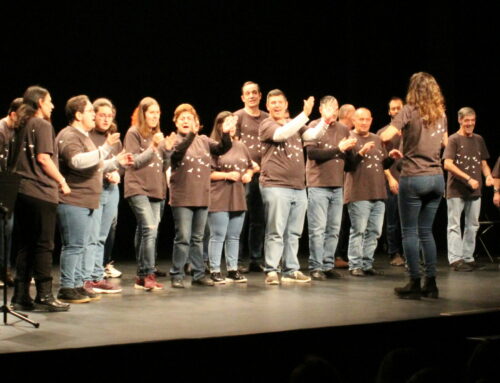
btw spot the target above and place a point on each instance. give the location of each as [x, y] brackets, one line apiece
[425, 94]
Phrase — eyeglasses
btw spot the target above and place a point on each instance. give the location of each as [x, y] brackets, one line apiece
[104, 115]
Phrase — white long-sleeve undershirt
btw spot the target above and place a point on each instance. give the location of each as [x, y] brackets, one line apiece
[290, 128]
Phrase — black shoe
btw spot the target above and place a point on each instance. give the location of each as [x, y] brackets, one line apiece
[256, 267]
[45, 300]
[411, 291]
[51, 304]
[23, 305]
[357, 273]
[159, 273]
[235, 276]
[203, 281]
[21, 300]
[475, 265]
[177, 283]
[71, 295]
[317, 275]
[429, 289]
[332, 274]
[373, 272]
[461, 266]
[217, 278]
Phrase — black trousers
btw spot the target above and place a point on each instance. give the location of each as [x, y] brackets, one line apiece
[34, 228]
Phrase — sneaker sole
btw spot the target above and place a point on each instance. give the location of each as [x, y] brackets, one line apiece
[273, 282]
[75, 301]
[291, 280]
[104, 291]
[229, 280]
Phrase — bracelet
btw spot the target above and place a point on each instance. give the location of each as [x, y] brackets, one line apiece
[496, 190]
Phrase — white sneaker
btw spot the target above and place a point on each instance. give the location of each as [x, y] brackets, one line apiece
[272, 278]
[296, 277]
[111, 272]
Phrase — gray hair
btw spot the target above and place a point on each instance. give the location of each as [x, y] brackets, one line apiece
[466, 111]
[327, 100]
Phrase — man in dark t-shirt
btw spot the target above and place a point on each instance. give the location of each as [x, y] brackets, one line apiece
[249, 118]
[365, 193]
[282, 185]
[393, 225]
[465, 159]
[325, 182]
[6, 133]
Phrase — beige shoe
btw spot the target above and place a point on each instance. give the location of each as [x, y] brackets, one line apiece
[296, 277]
[272, 278]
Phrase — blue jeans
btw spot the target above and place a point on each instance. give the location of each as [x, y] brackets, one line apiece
[419, 198]
[285, 211]
[393, 224]
[367, 220]
[324, 215]
[102, 218]
[188, 242]
[74, 224]
[225, 227]
[110, 242]
[147, 213]
[462, 248]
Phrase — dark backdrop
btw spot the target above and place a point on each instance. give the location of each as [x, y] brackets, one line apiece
[201, 53]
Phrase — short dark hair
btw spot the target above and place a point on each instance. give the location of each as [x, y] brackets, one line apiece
[274, 93]
[14, 105]
[74, 105]
[396, 99]
[249, 83]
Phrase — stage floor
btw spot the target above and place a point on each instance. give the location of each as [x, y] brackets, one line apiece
[136, 316]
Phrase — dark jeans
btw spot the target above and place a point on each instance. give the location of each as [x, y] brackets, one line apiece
[35, 229]
[419, 198]
[393, 224]
[6, 227]
[255, 224]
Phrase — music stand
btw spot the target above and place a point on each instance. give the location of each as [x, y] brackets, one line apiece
[9, 187]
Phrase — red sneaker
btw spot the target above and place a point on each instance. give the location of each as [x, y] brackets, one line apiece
[151, 284]
[105, 287]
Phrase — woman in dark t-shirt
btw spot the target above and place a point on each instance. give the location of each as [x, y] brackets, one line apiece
[190, 193]
[227, 208]
[146, 186]
[37, 202]
[422, 123]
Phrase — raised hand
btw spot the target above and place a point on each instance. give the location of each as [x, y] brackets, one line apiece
[112, 138]
[170, 141]
[113, 177]
[125, 159]
[308, 106]
[367, 147]
[229, 123]
[157, 138]
[396, 154]
[347, 143]
[329, 113]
